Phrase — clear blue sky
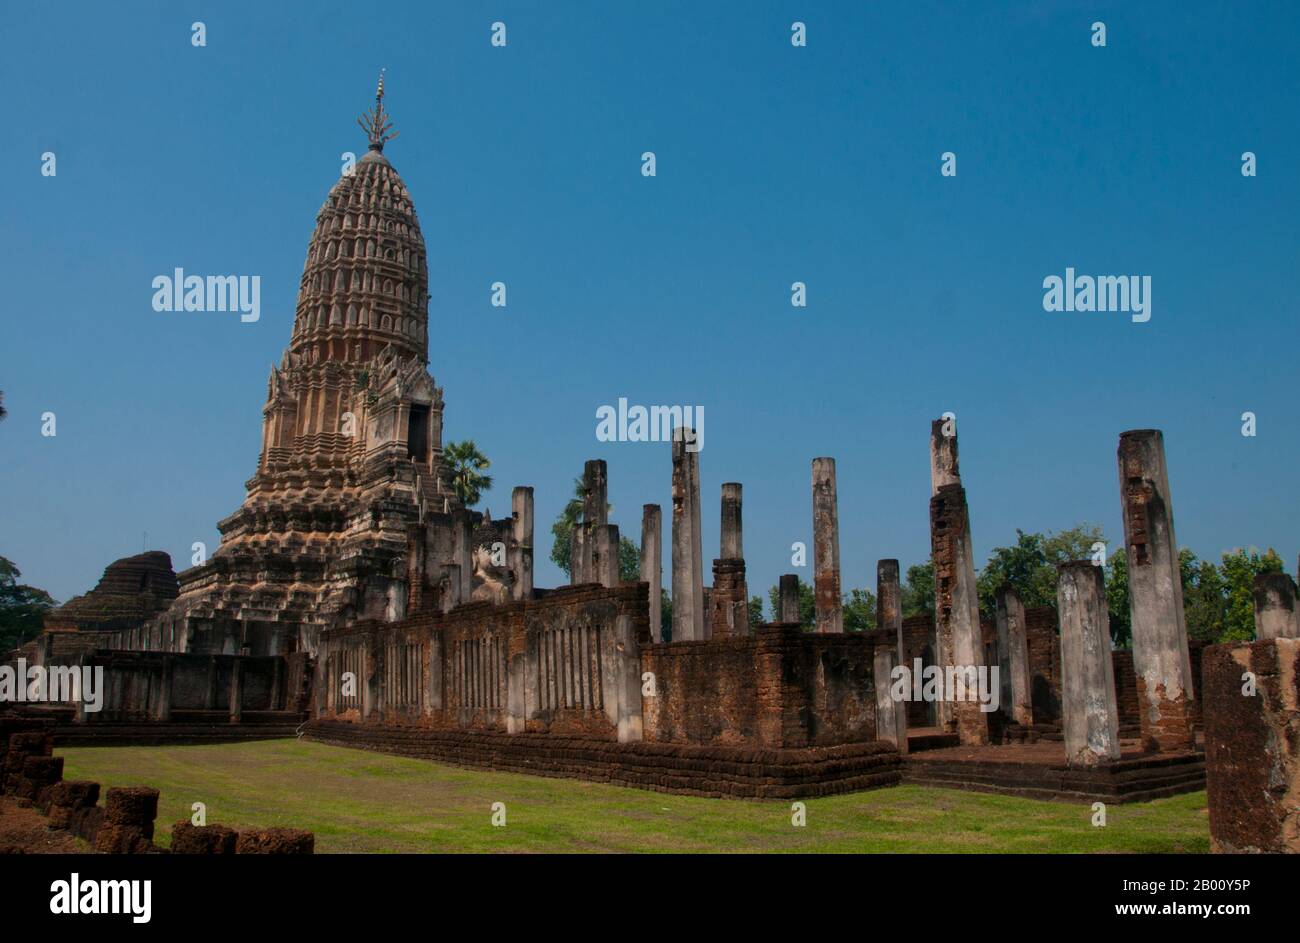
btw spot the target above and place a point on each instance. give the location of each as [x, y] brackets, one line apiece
[775, 164]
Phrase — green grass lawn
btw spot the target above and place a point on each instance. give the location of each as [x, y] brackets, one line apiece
[357, 801]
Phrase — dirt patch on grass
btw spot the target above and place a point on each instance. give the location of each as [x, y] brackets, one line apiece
[24, 831]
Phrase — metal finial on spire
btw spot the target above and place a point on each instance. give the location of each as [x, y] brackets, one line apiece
[375, 122]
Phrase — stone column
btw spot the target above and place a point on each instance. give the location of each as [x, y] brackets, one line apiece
[277, 685]
[595, 493]
[236, 690]
[595, 514]
[630, 724]
[1161, 659]
[889, 604]
[943, 471]
[891, 715]
[732, 543]
[788, 596]
[521, 505]
[452, 598]
[80, 716]
[516, 669]
[462, 530]
[165, 690]
[687, 554]
[956, 608]
[578, 555]
[1275, 612]
[620, 678]
[829, 603]
[652, 564]
[368, 676]
[943, 454]
[1013, 657]
[1089, 712]
[604, 556]
[437, 666]
[728, 604]
[210, 701]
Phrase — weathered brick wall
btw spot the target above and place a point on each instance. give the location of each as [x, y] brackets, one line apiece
[705, 692]
[781, 688]
[919, 642]
[1044, 664]
[834, 680]
[1126, 690]
[1252, 745]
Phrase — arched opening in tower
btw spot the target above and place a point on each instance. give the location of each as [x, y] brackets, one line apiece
[417, 433]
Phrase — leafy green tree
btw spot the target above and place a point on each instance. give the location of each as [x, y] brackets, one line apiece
[1205, 600]
[918, 589]
[756, 611]
[1073, 543]
[22, 608]
[859, 610]
[1023, 566]
[666, 615]
[1030, 565]
[467, 467]
[1117, 599]
[629, 560]
[1239, 569]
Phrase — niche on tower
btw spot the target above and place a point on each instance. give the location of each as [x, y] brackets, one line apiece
[417, 432]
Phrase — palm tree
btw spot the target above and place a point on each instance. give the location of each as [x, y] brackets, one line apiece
[467, 467]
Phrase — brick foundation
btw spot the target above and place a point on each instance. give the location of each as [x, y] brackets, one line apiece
[686, 769]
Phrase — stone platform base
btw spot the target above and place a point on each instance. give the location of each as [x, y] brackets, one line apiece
[1038, 771]
[717, 771]
[258, 725]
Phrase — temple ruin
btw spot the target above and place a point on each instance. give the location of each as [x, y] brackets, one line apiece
[353, 595]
